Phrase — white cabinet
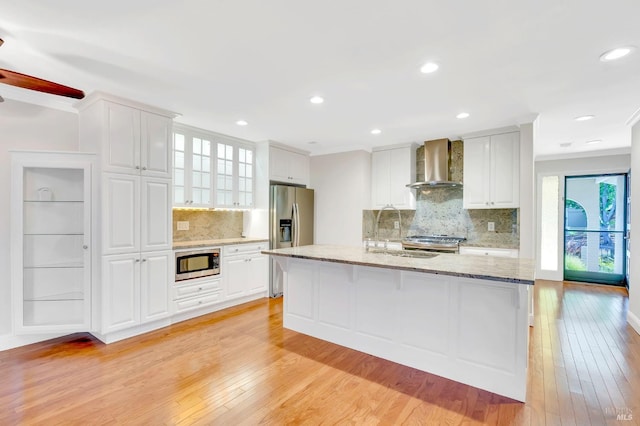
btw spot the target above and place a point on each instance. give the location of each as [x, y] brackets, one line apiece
[197, 293]
[193, 167]
[51, 241]
[489, 251]
[136, 289]
[136, 214]
[235, 174]
[245, 270]
[288, 166]
[391, 170]
[129, 139]
[212, 170]
[492, 171]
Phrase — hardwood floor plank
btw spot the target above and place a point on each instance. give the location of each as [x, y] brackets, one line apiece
[239, 366]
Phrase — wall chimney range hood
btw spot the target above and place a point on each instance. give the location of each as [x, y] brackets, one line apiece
[437, 162]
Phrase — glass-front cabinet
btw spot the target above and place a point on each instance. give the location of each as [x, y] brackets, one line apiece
[212, 170]
[51, 243]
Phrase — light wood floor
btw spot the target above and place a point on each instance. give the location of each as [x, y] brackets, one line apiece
[240, 366]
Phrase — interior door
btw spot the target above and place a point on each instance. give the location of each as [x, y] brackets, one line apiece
[595, 227]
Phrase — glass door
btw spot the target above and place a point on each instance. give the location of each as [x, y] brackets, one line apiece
[595, 228]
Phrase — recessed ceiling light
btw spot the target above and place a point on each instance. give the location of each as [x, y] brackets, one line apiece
[312, 142]
[376, 131]
[316, 100]
[241, 123]
[595, 141]
[585, 117]
[565, 144]
[616, 53]
[429, 67]
[462, 115]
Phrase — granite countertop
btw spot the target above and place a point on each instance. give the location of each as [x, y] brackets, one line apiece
[220, 242]
[514, 270]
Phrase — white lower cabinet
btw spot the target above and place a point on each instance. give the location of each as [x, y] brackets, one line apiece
[135, 289]
[489, 251]
[245, 270]
[197, 293]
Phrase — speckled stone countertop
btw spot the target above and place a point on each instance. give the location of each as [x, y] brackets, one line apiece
[177, 245]
[514, 270]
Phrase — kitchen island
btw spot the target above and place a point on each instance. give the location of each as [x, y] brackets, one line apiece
[460, 317]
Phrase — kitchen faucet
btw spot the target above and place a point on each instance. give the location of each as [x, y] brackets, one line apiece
[377, 225]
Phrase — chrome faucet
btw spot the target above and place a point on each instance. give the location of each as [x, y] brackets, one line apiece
[377, 225]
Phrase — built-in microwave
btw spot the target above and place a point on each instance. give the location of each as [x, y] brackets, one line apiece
[197, 263]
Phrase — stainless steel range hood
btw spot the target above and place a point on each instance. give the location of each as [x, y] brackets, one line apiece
[437, 162]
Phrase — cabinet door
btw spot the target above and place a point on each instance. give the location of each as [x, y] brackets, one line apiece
[399, 176]
[121, 213]
[505, 170]
[121, 152]
[279, 165]
[235, 275]
[380, 171]
[156, 280]
[51, 227]
[120, 292]
[258, 274]
[298, 168]
[477, 185]
[155, 146]
[155, 215]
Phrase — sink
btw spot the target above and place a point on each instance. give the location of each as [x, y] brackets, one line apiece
[405, 253]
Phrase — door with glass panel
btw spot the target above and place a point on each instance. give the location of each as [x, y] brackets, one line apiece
[192, 177]
[594, 228]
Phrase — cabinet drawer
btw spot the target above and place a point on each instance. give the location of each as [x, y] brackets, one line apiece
[489, 251]
[245, 248]
[184, 291]
[183, 305]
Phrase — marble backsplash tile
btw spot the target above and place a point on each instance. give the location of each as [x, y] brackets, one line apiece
[208, 224]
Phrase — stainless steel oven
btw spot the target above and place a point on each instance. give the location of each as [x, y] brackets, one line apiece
[197, 263]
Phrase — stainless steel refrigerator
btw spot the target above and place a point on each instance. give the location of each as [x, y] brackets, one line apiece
[290, 225]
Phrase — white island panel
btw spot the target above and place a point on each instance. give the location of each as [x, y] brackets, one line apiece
[473, 331]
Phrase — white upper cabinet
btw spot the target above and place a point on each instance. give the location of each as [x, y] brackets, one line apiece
[492, 171]
[212, 170]
[288, 166]
[136, 214]
[235, 175]
[51, 241]
[391, 170]
[131, 138]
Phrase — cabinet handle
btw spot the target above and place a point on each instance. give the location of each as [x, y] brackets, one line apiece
[144, 168]
[199, 288]
[492, 203]
[200, 302]
[137, 260]
[85, 246]
[144, 260]
[137, 167]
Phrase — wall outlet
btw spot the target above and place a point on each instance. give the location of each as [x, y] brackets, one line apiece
[182, 225]
[491, 226]
[396, 224]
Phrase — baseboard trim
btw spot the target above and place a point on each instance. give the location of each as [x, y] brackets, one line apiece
[633, 321]
[11, 341]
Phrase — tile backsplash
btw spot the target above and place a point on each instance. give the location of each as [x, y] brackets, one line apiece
[208, 224]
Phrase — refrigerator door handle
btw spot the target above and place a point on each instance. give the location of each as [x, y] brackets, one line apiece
[297, 225]
[294, 225]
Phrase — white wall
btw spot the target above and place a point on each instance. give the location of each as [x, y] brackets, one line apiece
[633, 314]
[342, 190]
[527, 194]
[25, 127]
[571, 167]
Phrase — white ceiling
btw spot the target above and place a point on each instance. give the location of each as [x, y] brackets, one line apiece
[218, 61]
